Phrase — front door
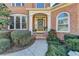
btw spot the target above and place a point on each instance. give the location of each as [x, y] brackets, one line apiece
[39, 22]
[40, 25]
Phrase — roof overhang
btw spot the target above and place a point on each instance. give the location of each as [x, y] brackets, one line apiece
[62, 5]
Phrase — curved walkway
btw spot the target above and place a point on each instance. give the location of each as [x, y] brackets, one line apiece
[39, 48]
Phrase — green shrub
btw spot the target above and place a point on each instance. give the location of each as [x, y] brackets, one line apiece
[54, 43]
[21, 37]
[55, 47]
[71, 36]
[52, 36]
[56, 50]
[4, 44]
[4, 34]
[73, 44]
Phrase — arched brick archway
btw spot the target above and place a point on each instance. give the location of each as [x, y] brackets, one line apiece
[39, 22]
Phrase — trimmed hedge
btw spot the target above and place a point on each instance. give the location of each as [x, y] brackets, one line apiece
[21, 37]
[56, 50]
[52, 36]
[73, 44]
[71, 36]
[4, 44]
[4, 34]
[54, 45]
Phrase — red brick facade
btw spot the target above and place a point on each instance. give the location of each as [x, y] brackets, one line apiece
[72, 9]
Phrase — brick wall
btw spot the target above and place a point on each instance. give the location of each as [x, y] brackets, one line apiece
[73, 10]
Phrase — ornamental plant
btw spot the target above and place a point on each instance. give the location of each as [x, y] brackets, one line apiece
[4, 15]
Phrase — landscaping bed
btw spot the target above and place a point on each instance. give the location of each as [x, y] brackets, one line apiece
[15, 41]
[15, 49]
[59, 48]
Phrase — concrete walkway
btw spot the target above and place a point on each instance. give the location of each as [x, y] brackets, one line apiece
[39, 48]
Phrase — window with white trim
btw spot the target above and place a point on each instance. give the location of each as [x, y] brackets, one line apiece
[18, 22]
[63, 22]
[17, 4]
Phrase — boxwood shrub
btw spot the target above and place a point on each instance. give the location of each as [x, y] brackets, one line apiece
[56, 50]
[73, 44]
[4, 44]
[4, 34]
[21, 37]
[52, 36]
[71, 36]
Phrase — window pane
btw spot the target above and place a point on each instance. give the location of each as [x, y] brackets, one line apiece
[11, 22]
[63, 22]
[23, 22]
[17, 22]
[63, 15]
[60, 21]
[18, 4]
[63, 28]
[40, 5]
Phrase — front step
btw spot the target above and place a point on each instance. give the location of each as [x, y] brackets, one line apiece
[40, 35]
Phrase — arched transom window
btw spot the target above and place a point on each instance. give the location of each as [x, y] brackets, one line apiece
[63, 19]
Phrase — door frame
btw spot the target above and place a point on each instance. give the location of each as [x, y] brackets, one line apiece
[35, 19]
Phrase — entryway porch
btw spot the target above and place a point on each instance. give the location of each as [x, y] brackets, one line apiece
[39, 25]
[39, 21]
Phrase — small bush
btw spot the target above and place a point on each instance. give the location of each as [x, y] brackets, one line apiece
[55, 47]
[4, 44]
[21, 37]
[71, 36]
[73, 44]
[4, 34]
[56, 50]
[52, 36]
[54, 43]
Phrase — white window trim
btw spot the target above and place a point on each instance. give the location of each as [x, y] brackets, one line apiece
[68, 22]
[20, 15]
[36, 5]
[16, 6]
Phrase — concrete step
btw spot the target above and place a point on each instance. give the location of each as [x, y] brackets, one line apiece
[40, 35]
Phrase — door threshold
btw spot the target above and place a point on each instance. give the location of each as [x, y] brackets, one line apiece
[40, 31]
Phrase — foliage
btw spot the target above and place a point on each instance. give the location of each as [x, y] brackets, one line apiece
[21, 37]
[52, 36]
[73, 44]
[4, 21]
[4, 34]
[4, 44]
[4, 15]
[70, 36]
[4, 10]
[56, 50]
